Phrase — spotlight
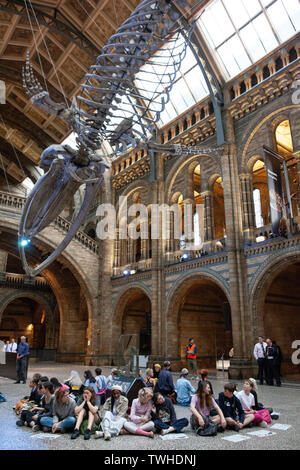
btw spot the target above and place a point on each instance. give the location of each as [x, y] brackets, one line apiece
[24, 242]
[126, 272]
[184, 257]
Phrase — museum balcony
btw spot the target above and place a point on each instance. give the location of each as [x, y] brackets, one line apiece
[11, 207]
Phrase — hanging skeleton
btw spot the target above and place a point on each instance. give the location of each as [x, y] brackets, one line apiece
[115, 106]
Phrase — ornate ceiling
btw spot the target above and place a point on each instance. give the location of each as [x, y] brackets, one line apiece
[68, 35]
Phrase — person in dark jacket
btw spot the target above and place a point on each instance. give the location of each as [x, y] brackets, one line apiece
[35, 397]
[272, 364]
[232, 409]
[165, 384]
[164, 417]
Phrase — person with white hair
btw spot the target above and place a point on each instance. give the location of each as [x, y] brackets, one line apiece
[114, 413]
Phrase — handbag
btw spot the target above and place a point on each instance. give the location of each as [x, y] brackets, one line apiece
[209, 429]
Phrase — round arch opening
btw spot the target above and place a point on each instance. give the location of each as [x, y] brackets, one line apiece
[280, 315]
[28, 316]
[135, 313]
[204, 314]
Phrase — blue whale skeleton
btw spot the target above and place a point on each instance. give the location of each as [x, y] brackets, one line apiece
[121, 99]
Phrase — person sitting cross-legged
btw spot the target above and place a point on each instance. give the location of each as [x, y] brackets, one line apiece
[63, 413]
[86, 409]
[232, 409]
[140, 416]
[261, 417]
[202, 404]
[114, 413]
[164, 417]
[184, 389]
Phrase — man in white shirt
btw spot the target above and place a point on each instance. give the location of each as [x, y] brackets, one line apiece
[260, 355]
[13, 346]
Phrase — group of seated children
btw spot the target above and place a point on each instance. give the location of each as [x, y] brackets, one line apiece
[97, 406]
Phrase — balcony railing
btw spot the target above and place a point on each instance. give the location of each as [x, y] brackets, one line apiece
[21, 280]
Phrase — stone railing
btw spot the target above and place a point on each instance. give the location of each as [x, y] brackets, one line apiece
[21, 280]
[200, 262]
[265, 80]
[138, 267]
[264, 231]
[193, 126]
[273, 245]
[17, 203]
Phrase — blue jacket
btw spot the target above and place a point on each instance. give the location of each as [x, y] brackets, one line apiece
[23, 349]
[165, 382]
[184, 389]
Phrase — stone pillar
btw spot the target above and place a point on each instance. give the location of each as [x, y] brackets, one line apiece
[158, 308]
[242, 327]
[117, 247]
[104, 341]
[3, 261]
[208, 217]
[248, 206]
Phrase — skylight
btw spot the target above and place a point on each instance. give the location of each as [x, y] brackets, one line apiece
[243, 31]
[189, 87]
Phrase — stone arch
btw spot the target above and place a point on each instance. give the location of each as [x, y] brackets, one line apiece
[67, 256]
[251, 162]
[123, 299]
[178, 167]
[39, 337]
[264, 278]
[186, 286]
[65, 277]
[275, 320]
[212, 179]
[30, 295]
[258, 124]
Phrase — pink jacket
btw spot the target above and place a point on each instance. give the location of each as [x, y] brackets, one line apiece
[138, 410]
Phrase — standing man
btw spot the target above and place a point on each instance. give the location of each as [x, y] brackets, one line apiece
[21, 364]
[272, 368]
[6, 346]
[260, 355]
[13, 346]
[191, 356]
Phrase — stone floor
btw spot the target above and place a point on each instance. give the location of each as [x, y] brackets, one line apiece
[284, 400]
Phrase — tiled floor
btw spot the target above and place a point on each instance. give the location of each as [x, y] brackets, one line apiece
[284, 400]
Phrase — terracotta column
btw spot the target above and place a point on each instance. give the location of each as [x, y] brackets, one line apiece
[248, 206]
[3, 261]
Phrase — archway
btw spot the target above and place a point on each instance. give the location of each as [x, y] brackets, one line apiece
[133, 316]
[28, 316]
[200, 310]
[279, 312]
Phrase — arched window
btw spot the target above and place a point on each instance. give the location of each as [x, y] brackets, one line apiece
[259, 221]
[260, 194]
[283, 138]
